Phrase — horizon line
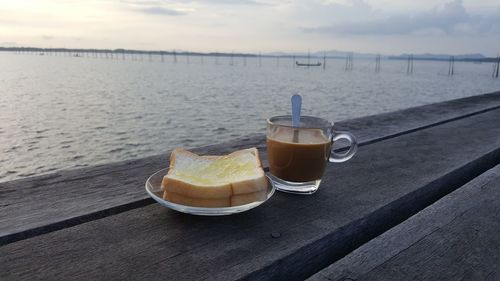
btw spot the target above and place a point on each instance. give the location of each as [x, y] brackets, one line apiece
[341, 54]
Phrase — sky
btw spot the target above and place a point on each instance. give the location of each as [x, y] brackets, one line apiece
[370, 26]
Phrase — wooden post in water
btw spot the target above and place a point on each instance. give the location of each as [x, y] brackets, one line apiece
[175, 57]
[412, 60]
[409, 67]
[349, 64]
[494, 69]
[260, 59]
[324, 60]
[377, 64]
[161, 56]
[201, 58]
[244, 60]
[187, 58]
[294, 62]
[451, 66]
[346, 68]
[497, 68]
[308, 57]
[352, 61]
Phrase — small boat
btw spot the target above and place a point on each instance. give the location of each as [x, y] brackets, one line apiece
[308, 64]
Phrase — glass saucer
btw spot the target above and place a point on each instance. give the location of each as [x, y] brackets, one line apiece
[153, 188]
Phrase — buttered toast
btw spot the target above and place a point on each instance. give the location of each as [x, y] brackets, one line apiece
[215, 181]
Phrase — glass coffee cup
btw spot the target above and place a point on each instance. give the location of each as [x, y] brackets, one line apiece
[298, 156]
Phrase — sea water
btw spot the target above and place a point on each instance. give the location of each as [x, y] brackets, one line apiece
[63, 112]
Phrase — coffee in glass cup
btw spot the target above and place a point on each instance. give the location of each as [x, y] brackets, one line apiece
[298, 156]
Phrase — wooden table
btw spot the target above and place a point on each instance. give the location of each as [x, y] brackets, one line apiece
[456, 238]
[98, 223]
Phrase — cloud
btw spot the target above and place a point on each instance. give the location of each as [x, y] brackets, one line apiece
[152, 7]
[451, 18]
[238, 2]
[185, 7]
[160, 11]
[140, 2]
[203, 2]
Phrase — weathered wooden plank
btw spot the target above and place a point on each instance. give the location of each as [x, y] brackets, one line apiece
[45, 203]
[456, 238]
[391, 124]
[386, 183]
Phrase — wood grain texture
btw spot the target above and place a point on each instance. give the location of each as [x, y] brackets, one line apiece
[37, 205]
[384, 184]
[391, 124]
[456, 238]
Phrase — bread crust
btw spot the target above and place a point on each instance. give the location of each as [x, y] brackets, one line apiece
[240, 192]
[196, 202]
[242, 199]
[196, 191]
[235, 200]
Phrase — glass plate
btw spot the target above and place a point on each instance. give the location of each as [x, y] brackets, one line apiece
[153, 188]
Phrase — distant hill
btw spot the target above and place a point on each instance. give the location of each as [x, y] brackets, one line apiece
[343, 54]
[464, 57]
[329, 54]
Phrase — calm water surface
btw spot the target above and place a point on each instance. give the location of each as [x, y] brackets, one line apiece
[59, 112]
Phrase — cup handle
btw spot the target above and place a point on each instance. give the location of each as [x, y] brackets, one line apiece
[342, 157]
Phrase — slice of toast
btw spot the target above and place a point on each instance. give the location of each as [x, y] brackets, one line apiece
[215, 181]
